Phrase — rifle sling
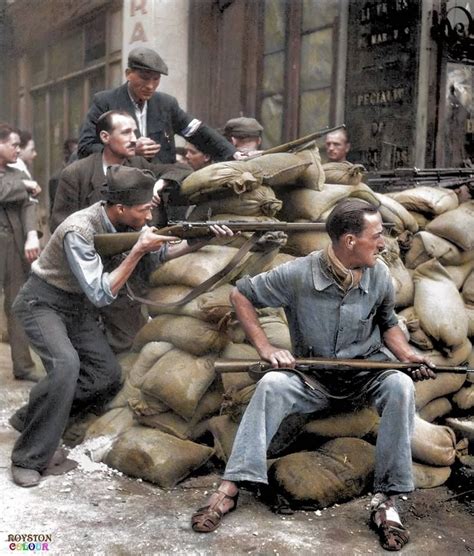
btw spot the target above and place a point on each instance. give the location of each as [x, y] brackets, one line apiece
[207, 284]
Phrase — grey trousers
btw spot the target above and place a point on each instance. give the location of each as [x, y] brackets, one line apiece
[82, 371]
[280, 394]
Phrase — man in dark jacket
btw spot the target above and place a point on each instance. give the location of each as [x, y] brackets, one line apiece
[158, 115]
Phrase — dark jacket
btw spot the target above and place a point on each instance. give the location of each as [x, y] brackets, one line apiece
[81, 183]
[164, 119]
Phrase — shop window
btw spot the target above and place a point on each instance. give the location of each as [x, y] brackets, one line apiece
[66, 56]
[95, 39]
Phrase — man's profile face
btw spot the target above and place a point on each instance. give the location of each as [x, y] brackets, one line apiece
[142, 83]
[337, 146]
[122, 140]
[369, 243]
[136, 216]
[10, 149]
[28, 154]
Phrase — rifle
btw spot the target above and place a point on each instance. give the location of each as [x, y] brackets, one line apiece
[285, 147]
[256, 367]
[405, 178]
[108, 245]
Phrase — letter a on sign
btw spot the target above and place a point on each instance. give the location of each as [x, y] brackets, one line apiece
[138, 34]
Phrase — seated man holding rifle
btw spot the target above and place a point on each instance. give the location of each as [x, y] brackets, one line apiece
[56, 307]
[340, 304]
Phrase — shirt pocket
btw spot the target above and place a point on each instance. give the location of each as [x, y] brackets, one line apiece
[365, 327]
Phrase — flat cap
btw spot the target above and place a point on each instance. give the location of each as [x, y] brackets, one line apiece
[146, 59]
[243, 127]
[128, 186]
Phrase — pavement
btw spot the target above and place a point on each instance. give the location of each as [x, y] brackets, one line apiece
[94, 510]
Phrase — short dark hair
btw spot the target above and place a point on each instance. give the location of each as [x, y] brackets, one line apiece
[25, 138]
[6, 130]
[344, 132]
[104, 123]
[347, 217]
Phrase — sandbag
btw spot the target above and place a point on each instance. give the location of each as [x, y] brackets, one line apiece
[219, 177]
[126, 361]
[457, 355]
[426, 476]
[402, 283]
[354, 424]
[344, 173]
[180, 380]
[435, 409]
[418, 336]
[173, 424]
[120, 400]
[301, 244]
[456, 226]
[446, 321]
[237, 380]
[307, 204]
[426, 246]
[194, 268]
[312, 177]
[277, 169]
[444, 384]
[223, 429]
[210, 306]
[186, 333]
[155, 456]
[144, 404]
[111, 425]
[280, 258]
[460, 273]
[257, 202]
[464, 398]
[468, 289]
[340, 470]
[275, 327]
[392, 211]
[148, 356]
[420, 219]
[462, 426]
[433, 444]
[425, 199]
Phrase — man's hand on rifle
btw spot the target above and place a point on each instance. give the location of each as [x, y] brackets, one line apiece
[149, 241]
[278, 357]
[422, 368]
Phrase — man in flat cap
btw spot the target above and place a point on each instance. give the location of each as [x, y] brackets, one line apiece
[158, 115]
[244, 133]
[56, 307]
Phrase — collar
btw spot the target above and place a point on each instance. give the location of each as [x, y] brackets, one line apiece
[135, 103]
[106, 220]
[322, 279]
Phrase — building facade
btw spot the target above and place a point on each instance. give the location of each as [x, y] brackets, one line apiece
[398, 73]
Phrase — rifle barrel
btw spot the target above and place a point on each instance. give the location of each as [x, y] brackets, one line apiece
[242, 365]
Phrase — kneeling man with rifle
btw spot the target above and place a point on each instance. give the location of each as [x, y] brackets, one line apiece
[56, 307]
[340, 304]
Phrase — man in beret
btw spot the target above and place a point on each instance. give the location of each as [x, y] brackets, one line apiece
[56, 307]
[244, 133]
[158, 115]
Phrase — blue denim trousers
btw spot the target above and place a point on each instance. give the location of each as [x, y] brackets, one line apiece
[279, 394]
[81, 369]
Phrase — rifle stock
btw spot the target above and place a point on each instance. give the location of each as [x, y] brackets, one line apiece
[108, 245]
[321, 363]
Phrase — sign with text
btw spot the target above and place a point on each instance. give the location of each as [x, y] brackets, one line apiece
[383, 39]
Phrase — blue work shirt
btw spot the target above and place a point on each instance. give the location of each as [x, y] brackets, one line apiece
[322, 318]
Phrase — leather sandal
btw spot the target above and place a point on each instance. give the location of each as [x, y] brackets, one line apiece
[208, 518]
[393, 536]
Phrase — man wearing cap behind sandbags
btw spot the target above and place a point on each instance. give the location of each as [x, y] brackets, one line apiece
[244, 133]
[158, 115]
[337, 146]
[339, 304]
[56, 309]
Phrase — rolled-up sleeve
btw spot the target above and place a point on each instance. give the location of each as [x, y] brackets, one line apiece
[386, 317]
[269, 289]
[88, 268]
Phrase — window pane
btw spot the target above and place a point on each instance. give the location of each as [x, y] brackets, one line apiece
[273, 71]
[76, 92]
[95, 39]
[38, 67]
[66, 56]
[115, 28]
[116, 77]
[97, 82]
[272, 120]
[314, 111]
[316, 59]
[318, 13]
[275, 23]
